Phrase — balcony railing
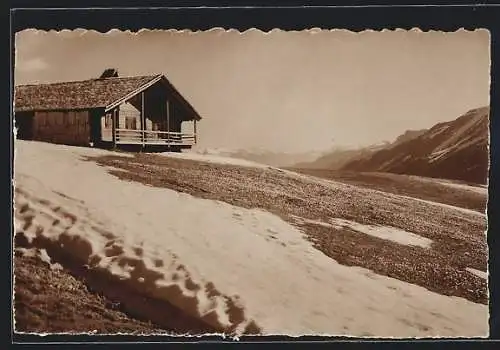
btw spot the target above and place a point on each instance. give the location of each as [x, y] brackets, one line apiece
[148, 137]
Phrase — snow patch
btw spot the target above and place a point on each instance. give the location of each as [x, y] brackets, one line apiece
[434, 156]
[440, 153]
[478, 273]
[476, 189]
[406, 158]
[39, 253]
[226, 152]
[214, 158]
[28, 252]
[384, 232]
[45, 257]
[442, 205]
[437, 131]
[312, 222]
[459, 135]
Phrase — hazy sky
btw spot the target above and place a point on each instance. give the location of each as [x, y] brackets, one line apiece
[284, 91]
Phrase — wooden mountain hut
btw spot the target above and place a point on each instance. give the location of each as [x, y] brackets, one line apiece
[108, 112]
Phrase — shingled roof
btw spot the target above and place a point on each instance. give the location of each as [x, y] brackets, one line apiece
[86, 94]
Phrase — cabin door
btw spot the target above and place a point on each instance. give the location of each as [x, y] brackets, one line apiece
[95, 127]
[24, 125]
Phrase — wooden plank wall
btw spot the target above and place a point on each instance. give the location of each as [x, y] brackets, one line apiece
[64, 127]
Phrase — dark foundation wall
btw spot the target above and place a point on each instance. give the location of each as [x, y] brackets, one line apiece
[63, 127]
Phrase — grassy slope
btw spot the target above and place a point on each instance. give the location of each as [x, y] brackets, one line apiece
[412, 186]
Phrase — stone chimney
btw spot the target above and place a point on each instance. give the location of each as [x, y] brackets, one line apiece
[109, 73]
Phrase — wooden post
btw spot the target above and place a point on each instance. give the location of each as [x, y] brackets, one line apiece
[143, 119]
[113, 126]
[195, 134]
[168, 124]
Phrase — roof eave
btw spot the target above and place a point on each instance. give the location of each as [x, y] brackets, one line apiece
[133, 93]
[30, 109]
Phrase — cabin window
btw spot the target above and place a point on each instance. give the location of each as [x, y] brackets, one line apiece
[130, 123]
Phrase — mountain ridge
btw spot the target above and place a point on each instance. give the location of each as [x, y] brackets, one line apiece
[456, 150]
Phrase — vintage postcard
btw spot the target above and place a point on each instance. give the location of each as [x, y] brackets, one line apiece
[316, 182]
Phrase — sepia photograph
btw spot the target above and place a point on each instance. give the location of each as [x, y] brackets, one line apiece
[296, 183]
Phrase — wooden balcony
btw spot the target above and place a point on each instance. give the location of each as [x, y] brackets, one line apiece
[148, 137]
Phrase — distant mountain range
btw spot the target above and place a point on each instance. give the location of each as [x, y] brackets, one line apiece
[451, 150]
[277, 159]
[339, 157]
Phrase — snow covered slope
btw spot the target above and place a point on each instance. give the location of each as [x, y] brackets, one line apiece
[452, 150]
[238, 270]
